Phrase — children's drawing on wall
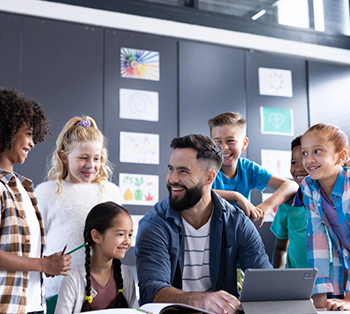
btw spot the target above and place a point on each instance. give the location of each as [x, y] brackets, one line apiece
[139, 148]
[138, 104]
[276, 121]
[135, 219]
[277, 162]
[275, 82]
[139, 64]
[139, 189]
[272, 214]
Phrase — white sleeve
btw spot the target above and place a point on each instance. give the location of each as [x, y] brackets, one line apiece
[129, 287]
[68, 297]
[44, 197]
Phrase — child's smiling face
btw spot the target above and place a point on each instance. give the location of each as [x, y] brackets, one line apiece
[320, 159]
[232, 141]
[20, 149]
[296, 167]
[83, 161]
[116, 241]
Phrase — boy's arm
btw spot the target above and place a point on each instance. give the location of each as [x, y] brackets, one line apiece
[242, 202]
[280, 253]
[55, 264]
[285, 189]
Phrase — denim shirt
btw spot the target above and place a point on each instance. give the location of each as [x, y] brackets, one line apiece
[159, 249]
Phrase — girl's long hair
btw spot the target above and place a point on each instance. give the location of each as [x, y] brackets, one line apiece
[101, 218]
[335, 135]
[73, 133]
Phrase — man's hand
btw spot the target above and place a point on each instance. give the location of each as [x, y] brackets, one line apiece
[338, 304]
[320, 300]
[219, 302]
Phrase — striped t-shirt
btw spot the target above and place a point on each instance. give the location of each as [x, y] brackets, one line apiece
[196, 272]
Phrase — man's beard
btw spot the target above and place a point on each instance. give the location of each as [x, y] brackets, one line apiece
[190, 199]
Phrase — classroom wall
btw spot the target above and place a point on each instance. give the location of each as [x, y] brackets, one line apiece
[74, 69]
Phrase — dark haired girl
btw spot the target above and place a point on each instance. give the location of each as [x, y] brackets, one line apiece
[102, 282]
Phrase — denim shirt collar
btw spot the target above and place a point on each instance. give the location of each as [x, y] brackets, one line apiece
[173, 214]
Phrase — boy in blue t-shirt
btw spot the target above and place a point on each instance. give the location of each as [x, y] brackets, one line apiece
[289, 224]
[238, 176]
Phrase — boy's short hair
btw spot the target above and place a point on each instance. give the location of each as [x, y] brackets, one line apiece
[296, 142]
[17, 111]
[206, 148]
[227, 118]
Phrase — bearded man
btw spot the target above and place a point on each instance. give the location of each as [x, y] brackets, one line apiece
[189, 245]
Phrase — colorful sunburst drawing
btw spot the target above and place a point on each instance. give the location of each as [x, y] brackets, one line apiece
[139, 64]
[275, 82]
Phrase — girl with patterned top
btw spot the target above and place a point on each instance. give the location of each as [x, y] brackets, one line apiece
[102, 282]
[325, 150]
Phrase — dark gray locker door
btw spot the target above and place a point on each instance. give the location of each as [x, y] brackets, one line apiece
[10, 53]
[298, 103]
[62, 68]
[329, 97]
[10, 50]
[211, 81]
[167, 125]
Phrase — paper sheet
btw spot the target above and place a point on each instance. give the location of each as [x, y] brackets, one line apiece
[138, 104]
[275, 82]
[139, 189]
[139, 64]
[139, 148]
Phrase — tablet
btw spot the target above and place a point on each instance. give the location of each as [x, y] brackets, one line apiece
[270, 290]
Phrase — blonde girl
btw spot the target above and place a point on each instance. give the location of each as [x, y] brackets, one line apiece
[102, 281]
[78, 180]
[326, 191]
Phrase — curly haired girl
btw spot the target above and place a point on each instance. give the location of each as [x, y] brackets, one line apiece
[23, 123]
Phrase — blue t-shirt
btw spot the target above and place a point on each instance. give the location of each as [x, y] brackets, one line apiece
[249, 176]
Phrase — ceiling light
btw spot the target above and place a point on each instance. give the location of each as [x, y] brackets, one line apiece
[259, 14]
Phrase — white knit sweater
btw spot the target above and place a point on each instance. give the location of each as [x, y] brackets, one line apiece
[64, 218]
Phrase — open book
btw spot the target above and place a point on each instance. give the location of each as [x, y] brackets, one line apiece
[157, 308]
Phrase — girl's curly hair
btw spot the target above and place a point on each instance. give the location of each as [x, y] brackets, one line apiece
[17, 111]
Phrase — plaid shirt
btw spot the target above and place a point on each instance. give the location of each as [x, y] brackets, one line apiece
[15, 238]
[329, 279]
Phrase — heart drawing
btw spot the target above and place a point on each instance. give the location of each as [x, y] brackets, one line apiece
[276, 119]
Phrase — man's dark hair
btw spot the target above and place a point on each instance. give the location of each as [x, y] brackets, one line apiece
[17, 111]
[204, 145]
[296, 142]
